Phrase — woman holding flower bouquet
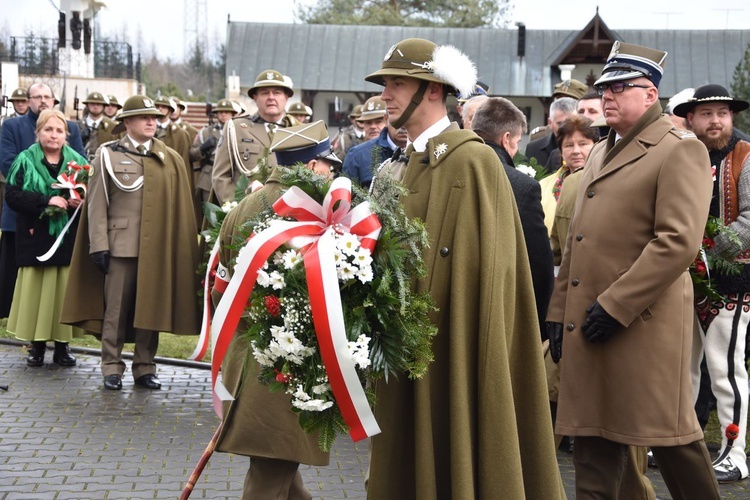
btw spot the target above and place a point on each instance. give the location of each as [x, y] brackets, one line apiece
[44, 212]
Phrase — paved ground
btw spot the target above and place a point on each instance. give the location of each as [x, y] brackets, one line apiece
[63, 437]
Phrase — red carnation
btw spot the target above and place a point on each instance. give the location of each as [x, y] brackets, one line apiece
[700, 268]
[273, 305]
[733, 431]
[282, 377]
[708, 243]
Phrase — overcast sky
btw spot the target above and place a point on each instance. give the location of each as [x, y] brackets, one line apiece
[160, 22]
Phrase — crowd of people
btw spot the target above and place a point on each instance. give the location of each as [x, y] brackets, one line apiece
[565, 312]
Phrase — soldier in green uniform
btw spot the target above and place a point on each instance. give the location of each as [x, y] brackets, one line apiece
[96, 127]
[258, 423]
[174, 136]
[176, 117]
[300, 112]
[113, 107]
[478, 424]
[204, 146]
[244, 147]
[351, 135]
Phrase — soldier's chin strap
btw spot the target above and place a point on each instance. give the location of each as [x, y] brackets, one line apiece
[415, 100]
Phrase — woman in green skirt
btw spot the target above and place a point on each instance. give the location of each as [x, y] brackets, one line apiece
[44, 221]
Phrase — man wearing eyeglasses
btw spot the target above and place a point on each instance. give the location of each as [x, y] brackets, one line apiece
[621, 314]
[18, 134]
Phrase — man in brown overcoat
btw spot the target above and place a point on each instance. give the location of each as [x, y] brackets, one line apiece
[621, 314]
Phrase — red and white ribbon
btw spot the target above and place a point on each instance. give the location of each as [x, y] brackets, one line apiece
[213, 264]
[69, 181]
[314, 230]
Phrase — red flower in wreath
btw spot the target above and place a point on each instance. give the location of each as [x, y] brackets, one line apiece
[708, 243]
[700, 267]
[273, 305]
[282, 377]
[733, 431]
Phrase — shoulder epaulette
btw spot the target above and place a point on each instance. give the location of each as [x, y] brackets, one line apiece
[683, 134]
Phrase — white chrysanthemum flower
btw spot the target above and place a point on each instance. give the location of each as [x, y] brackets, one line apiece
[291, 258]
[321, 388]
[276, 280]
[263, 278]
[346, 271]
[228, 206]
[363, 257]
[301, 394]
[359, 351]
[277, 258]
[288, 342]
[526, 169]
[207, 237]
[275, 351]
[277, 331]
[365, 275]
[312, 405]
[348, 244]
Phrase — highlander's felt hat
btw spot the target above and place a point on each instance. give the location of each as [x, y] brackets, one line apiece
[225, 105]
[627, 61]
[165, 101]
[114, 102]
[372, 109]
[96, 98]
[298, 109]
[356, 112]
[710, 93]
[424, 60]
[570, 88]
[302, 143]
[139, 105]
[18, 95]
[272, 78]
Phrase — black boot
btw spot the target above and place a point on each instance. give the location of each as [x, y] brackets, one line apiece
[62, 355]
[36, 353]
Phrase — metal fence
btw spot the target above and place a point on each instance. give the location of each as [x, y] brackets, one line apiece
[40, 56]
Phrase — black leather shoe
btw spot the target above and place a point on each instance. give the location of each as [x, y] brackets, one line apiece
[113, 382]
[727, 472]
[62, 355]
[36, 353]
[149, 381]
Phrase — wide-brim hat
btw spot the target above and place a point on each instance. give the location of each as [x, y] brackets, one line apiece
[297, 108]
[179, 102]
[139, 105]
[225, 105]
[710, 93]
[272, 78]
[372, 109]
[627, 61]
[166, 101]
[96, 98]
[424, 60]
[18, 95]
[113, 101]
[570, 88]
[356, 112]
[302, 143]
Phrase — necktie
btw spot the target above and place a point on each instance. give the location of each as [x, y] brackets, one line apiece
[141, 149]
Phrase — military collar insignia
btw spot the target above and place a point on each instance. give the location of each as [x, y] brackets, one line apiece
[161, 155]
[440, 149]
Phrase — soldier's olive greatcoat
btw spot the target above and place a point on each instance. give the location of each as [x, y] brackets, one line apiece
[639, 218]
[258, 423]
[478, 424]
[166, 245]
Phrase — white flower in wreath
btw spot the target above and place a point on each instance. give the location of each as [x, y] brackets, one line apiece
[347, 271]
[348, 244]
[365, 274]
[263, 279]
[363, 258]
[276, 280]
[321, 389]
[291, 258]
[312, 405]
[526, 169]
[440, 150]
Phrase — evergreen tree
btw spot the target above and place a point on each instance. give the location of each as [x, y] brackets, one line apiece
[741, 90]
[442, 13]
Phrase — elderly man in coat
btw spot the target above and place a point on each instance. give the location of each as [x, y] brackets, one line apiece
[621, 314]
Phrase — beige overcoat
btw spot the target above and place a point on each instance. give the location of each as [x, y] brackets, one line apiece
[639, 217]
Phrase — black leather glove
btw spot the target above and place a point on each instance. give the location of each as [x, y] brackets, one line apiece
[555, 335]
[208, 145]
[101, 260]
[599, 326]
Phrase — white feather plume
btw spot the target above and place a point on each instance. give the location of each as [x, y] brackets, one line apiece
[453, 66]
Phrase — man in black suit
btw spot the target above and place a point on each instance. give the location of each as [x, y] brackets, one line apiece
[500, 123]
